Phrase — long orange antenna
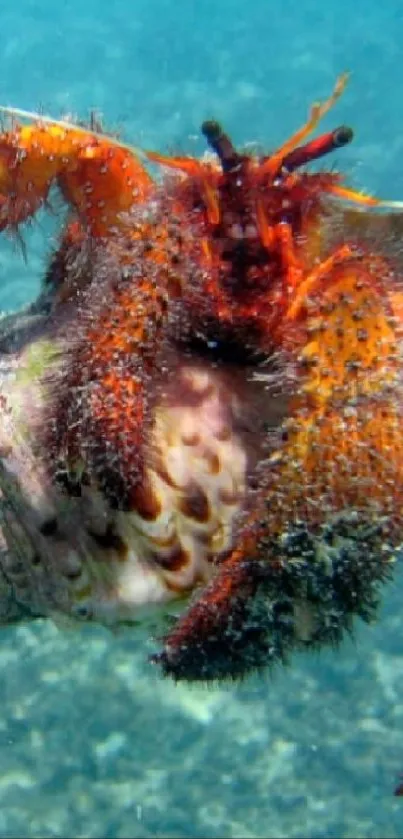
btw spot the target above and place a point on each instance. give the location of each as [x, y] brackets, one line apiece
[361, 198]
[318, 110]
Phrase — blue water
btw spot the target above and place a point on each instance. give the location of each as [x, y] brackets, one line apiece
[92, 741]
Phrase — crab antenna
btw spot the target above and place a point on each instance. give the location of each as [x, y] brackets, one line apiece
[221, 144]
[272, 165]
[319, 147]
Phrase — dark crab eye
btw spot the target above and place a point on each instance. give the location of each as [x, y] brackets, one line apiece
[222, 145]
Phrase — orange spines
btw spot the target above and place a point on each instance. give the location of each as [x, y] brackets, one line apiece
[100, 179]
[343, 447]
[103, 184]
[103, 394]
[28, 167]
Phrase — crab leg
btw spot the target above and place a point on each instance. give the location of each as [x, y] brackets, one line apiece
[99, 178]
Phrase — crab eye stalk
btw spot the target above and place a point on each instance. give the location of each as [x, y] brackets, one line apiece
[221, 144]
[319, 147]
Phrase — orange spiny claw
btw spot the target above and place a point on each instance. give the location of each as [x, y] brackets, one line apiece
[100, 179]
[27, 170]
[311, 282]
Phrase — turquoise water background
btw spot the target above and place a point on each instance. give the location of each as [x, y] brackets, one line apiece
[92, 741]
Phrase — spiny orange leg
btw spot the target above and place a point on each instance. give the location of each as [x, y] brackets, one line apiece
[292, 268]
[219, 619]
[231, 622]
[203, 174]
[296, 287]
[309, 285]
[102, 403]
[100, 177]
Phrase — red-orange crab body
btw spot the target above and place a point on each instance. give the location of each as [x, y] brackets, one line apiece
[223, 411]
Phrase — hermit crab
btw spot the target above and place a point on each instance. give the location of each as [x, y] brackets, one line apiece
[201, 413]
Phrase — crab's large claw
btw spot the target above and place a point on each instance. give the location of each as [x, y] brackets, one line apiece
[99, 178]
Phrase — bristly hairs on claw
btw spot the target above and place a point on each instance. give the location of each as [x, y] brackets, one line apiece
[20, 113]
